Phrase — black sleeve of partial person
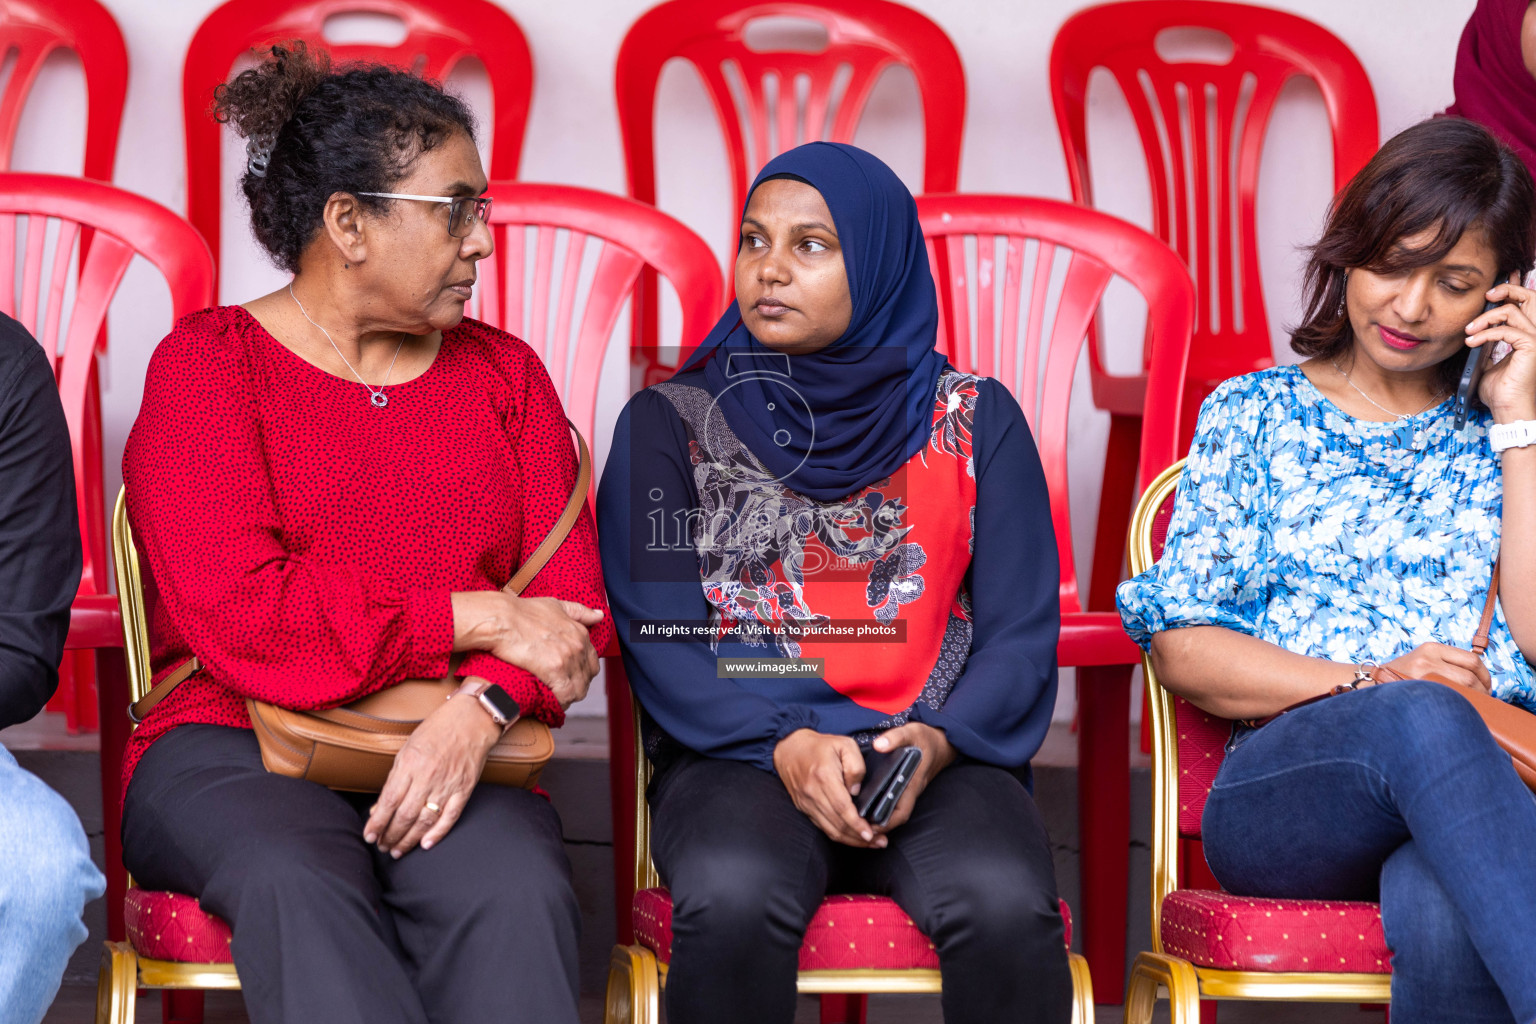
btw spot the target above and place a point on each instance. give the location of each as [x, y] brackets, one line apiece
[39, 530]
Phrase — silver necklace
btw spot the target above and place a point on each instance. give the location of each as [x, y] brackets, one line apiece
[376, 395]
[1398, 415]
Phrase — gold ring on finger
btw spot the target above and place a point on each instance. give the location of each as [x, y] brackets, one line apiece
[433, 807]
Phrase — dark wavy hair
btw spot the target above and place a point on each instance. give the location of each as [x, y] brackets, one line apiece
[1449, 175]
[355, 128]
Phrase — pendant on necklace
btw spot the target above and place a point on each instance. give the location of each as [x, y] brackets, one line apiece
[379, 399]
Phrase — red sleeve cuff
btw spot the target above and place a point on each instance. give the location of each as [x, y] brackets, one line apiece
[535, 698]
[429, 620]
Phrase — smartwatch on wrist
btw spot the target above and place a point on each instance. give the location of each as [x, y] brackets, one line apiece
[498, 703]
[1519, 434]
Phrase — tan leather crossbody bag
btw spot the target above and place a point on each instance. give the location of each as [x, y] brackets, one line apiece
[353, 747]
[1513, 728]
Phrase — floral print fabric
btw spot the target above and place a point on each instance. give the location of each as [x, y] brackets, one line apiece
[1329, 536]
[771, 557]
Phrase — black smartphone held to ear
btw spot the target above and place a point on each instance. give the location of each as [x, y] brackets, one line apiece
[1472, 376]
[886, 776]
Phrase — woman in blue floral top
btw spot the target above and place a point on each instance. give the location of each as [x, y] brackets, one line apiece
[1334, 530]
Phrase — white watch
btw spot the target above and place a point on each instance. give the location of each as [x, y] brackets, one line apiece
[1518, 434]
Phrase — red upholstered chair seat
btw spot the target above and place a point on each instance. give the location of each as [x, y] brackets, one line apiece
[847, 933]
[170, 926]
[1236, 933]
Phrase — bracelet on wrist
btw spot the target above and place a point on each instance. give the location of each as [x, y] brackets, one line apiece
[1515, 434]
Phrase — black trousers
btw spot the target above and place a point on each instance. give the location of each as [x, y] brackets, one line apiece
[482, 927]
[747, 871]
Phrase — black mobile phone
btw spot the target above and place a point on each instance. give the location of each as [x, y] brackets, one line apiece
[1472, 376]
[886, 776]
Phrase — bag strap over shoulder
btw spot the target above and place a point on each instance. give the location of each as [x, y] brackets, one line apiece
[1480, 641]
[139, 709]
[562, 528]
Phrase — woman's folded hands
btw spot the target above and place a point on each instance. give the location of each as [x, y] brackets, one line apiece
[438, 767]
[544, 635]
[432, 778]
[823, 774]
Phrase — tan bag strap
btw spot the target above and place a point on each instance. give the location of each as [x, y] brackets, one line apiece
[524, 576]
[1480, 641]
[557, 533]
[161, 690]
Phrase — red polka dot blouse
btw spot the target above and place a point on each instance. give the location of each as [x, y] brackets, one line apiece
[304, 543]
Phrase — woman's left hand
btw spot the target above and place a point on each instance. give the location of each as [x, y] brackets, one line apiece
[1509, 386]
[938, 754]
[438, 765]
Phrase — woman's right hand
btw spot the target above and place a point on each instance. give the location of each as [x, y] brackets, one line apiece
[1443, 663]
[544, 635]
[822, 772]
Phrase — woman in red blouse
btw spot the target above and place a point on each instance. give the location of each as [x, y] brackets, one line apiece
[331, 483]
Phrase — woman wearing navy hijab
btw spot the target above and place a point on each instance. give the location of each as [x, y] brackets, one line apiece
[818, 491]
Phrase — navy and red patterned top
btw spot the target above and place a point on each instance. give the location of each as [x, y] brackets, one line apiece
[931, 595]
[304, 544]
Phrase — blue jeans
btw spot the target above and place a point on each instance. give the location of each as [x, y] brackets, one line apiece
[46, 879]
[1396, 793]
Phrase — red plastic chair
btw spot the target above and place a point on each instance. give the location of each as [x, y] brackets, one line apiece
[864, 37]
[617, 238]
[536, 297]
[32, 32]
[1194, 176]
[122, 226]
[438, 35]
[1209, 944]
[1002, 255]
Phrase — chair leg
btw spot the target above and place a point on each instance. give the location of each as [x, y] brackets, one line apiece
[634, 990]
[1154, 971]
[117, 984]
[844, 1008]
[1116, 497]
[181, 1006]
[1082, 990]
[1104, 819]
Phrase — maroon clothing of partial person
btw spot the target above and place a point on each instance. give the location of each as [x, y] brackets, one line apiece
[1493, 85]
[304, 544]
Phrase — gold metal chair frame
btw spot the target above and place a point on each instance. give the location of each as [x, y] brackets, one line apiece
[123, 972]
[636, 977]
[1157, 973]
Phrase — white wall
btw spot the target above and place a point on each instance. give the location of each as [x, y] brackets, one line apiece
[1407, 47]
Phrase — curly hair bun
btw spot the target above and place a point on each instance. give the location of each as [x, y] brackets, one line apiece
[314, 130]
[262, 99]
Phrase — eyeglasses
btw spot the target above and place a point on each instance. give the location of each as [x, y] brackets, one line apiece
[464, 212]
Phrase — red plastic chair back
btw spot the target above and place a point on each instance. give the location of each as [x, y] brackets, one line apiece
[124, 225]
[771, 101]
[30, 33]
[1024, 278]
[43, 219]
[1202, 129]
[439, 34]
[567, 259]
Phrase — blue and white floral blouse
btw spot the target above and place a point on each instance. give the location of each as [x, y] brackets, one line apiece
[1330, 536]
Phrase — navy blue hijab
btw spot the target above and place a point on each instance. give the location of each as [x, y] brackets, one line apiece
[830, 423]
